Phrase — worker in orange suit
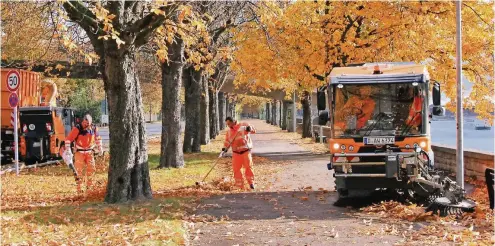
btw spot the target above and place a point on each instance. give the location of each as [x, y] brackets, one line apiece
[415, 118]
[86, 138]
[238, 138]
[361, 106]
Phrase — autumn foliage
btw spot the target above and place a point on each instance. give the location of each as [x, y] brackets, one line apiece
[294, 46]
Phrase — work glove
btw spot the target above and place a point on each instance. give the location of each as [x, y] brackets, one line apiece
[67, 157]
[242, 128]
[248, 128]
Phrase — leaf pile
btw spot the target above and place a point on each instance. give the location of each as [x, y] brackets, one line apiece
[424, 228]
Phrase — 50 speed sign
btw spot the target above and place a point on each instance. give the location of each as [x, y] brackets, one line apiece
[13, 81]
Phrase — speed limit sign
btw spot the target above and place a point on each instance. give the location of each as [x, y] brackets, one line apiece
[13, 81]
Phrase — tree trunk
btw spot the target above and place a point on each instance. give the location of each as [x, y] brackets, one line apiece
[267, 114]
[275, 113]
[227, 106]
[150, 112]
[221, 110]
[204, 115]
[128, 173]
[284, 115]
[192, 85]
[214, 129]
[171, 147]
[280, 108]
[307, 131]
[234, 113]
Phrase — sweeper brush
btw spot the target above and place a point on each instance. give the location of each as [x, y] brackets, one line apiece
[442, 196]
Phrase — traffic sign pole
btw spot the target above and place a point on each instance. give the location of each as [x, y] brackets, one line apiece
[16, 142]
[13, 82]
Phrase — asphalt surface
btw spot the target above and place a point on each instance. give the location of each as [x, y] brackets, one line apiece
[285, 214]
[152, 130]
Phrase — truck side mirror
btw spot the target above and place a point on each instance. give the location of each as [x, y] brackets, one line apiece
[437, 98]
[321, 100]
[323, 118]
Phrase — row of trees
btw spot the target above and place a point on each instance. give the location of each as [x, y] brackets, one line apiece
[198, 45]
[294, 46]
[177, 44]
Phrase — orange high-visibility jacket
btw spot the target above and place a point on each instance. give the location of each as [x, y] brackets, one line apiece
[366, 105]
[239, 137]
[415, 118]
[85, 139]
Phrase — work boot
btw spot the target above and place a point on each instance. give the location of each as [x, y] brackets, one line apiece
[251, 186]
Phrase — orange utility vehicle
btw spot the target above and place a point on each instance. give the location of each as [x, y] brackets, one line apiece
[27, 92]
[380, 133]
[44, 128]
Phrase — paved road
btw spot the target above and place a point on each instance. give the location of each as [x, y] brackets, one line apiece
[284, 214]
[445, 133]
[152, 130]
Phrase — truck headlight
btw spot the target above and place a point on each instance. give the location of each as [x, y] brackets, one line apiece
[342, 147]
[351, 148]
[336, 146]
[422, 144]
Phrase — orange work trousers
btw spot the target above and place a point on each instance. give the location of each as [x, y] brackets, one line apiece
[84, 160]
[238, 162]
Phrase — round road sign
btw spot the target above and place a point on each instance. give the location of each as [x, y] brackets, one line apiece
[13, 80]
[13, 100]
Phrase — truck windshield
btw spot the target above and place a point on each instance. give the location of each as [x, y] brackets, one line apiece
[379, 110]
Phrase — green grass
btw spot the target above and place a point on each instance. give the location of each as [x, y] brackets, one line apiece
[196, 167]
[153, 222]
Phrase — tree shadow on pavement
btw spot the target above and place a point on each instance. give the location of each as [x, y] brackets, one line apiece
[307, 205]
[292, 156]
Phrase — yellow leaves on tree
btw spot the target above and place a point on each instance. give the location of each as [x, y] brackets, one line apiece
[302, 41]
[191, 28]
[26, 32]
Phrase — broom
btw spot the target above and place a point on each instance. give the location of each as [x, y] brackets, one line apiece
[202, 182]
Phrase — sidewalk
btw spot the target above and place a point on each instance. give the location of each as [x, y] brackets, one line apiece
[296, 210]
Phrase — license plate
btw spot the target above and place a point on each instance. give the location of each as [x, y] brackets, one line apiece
[379, 140]
[36, 144]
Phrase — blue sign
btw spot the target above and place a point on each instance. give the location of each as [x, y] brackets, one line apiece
[13, 100]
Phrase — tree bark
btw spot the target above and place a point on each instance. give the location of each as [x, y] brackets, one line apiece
[280, 108]
[204, 114]
[128, 173]
[221, 110]
[283, 121]
[227, 106]
[307, 131]
[171, 147]
[214, 128]
[268, 113]
[231, 110]
[192, 85]
[275, 112]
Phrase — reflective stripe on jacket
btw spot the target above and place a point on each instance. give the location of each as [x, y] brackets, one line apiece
[86, 139]
[239, 137]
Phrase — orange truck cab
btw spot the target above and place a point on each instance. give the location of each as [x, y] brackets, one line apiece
[43, 131]
[375, 142]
